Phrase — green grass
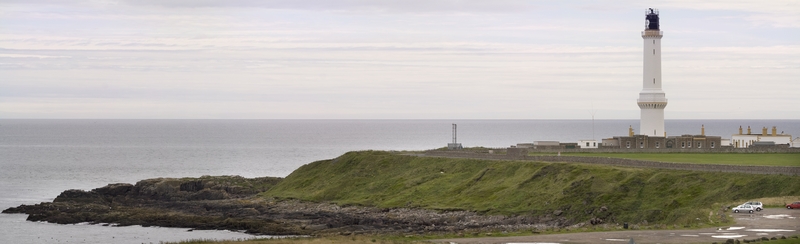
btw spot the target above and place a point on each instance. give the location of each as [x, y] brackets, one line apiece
[760, 159]
[633, 195]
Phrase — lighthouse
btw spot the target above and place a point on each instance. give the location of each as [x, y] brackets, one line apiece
[652, 100]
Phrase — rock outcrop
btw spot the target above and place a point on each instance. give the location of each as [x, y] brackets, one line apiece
[231, 202]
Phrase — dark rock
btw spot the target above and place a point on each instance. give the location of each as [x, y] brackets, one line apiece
[208, 194]
[113, 190]
[558, 212]
[192, 186]
[79, 196]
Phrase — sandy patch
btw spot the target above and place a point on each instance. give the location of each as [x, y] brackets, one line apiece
[779, 216]
[769, 230]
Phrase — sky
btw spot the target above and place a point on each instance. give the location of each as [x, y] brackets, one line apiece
[375, 59]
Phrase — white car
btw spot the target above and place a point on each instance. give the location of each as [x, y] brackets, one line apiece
[756, 205]
[744, 208]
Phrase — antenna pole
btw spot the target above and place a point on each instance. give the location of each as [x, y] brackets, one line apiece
[593, 112]
[454, 133]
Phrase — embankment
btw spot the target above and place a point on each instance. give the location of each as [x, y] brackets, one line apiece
[579, 193]
[384, 192]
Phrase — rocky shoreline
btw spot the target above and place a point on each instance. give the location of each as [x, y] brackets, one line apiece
[232, 203]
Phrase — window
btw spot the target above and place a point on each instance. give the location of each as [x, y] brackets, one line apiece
[689, 144]
[594, 144]
[627, 144]
[699, 145]
[683, 144]
[587, 144]
[712, 144]
[654, 80]
[654, 41]
[658, 144]
[641, 144]
[654, 52]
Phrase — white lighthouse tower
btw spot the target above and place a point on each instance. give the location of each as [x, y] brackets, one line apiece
[652, 100]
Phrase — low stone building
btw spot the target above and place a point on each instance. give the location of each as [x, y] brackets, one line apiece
[659, 142]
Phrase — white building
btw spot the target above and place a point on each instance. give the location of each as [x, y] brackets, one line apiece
[588, 144]
[742, 140]
[652, 100]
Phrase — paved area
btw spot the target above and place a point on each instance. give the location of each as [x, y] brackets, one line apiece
[771, 222]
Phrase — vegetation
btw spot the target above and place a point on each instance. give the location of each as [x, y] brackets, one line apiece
[633, 195]
[761, 159]
[374, 240]
[296, 240]
[777, 202]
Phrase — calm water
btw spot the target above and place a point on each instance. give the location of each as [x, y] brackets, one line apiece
[41, 158]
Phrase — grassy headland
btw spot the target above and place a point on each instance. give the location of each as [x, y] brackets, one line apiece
[576, 191]
[758, 159]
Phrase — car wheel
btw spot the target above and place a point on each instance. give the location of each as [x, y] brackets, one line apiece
[751, 211]
[758, 209]
[736, 211]
[789, 207]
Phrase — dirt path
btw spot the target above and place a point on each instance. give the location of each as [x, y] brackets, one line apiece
[771, 222]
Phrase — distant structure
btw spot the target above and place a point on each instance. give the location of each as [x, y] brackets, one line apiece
[632, 141]
[454, 145]
[742, 140]
[652, 100]
[652, 135]
[588, 144]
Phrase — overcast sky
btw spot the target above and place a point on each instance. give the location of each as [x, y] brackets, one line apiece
[373, 59]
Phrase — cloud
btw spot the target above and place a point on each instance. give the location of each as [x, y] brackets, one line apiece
[383, 59]
[352, 5]
[11, 55]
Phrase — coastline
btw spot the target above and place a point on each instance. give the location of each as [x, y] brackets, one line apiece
[223, 203]
[242, 204]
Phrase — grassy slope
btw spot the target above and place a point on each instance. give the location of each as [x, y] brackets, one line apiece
[765, 159]
[386, 180]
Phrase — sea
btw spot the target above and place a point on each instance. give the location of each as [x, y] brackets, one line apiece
[41, 158]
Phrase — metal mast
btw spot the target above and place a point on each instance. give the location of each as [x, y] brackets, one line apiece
[455, 132]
